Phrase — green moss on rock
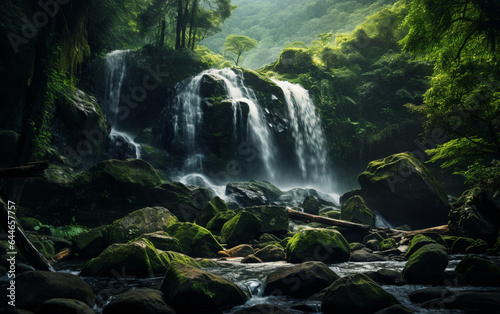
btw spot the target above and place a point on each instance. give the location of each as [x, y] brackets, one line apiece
[356, 210]
[191, 290]
[162, 241]
[217, 222]
[241, 228]
[325, 245]
[170, 257]
[195, 240]
[139, 258]
[416, 243]
[426, 265]
[92, 242]
[356, 294]
[215, 206]
[387, 244]
[478, 271]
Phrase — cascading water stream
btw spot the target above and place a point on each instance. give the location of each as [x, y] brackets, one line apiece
[188, 113]
[310, 143]
[115, 75]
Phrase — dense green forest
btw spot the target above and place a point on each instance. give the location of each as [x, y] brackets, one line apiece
[276, 24]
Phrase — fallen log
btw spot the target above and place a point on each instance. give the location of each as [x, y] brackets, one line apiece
[399, 234]
[305, 217]
[64, 254]
[32, 255]
[32, 169]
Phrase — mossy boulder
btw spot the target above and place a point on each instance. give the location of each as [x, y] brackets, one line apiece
[169, 257]
[242, 228]
[135, 173]
[300, 281]
[253, 193]
[426, 265]
[387, 244]
[91, 242]
[475, 215]
[417, 242]
[142, 300]
[461, 244]
[271, 253]
[356, 294]
[162, 241]
[335, 214]
[146, 220]
[64, 305]
[139, 259]
[311, 205]
[241, 250]
[325, 245]
[43, 245]
[404, 191]
[195, 240]
[183, 283]
[479, 246]
[215, 206]
[294, 61]
[356, 210]
[215, 224]
[478, 271]
[379, 236]
[274, 219]
[40, 286]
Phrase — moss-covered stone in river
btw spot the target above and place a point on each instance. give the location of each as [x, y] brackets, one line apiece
[387, 244]
[169, 257]
[146, 220]
[191, 290]
[426, 265]
[217, 222]
[43, 245]
[162, 241]
[356, 294]
[356, 210]
[325, 245]
[215, 206]
[139, 258]
[195, 240]
[417, 242]
[241, 228]
[274, 219]
[271, 253]
[478, 271]
[91, 242]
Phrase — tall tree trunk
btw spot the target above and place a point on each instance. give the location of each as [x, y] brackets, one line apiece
[162, 33]
[184, 24]
[192, 25]
[178, 29]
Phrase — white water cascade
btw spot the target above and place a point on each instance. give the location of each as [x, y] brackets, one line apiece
[187, 106]
[115, 68]
[310, 143]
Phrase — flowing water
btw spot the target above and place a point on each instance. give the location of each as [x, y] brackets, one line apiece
[116, 69]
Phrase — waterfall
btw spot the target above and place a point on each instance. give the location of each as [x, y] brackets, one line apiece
[115, 69]
[188, 118]
[311, 146]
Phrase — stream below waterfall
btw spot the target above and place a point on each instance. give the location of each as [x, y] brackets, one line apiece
[251, 277]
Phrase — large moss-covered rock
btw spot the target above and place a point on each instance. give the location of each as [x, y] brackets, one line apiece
[274, 219]
[143, 300]
[64, 305]
[195, 240]
[215, 206]
[356, 210]
[162, 241]
[146, 220]
[325, 245]
[426, 265]
[311, 205]
[108, 191]
[403, 190]
[241, 228]
[43, 245]
[190, 290]
[418, 242]
[474, 215]
[91, 242]
[253, 193]
[169, 257]
[139, 258]
[271, 253]
[356, 294]
[300, 281]
[478, 271]
[40, 286]
[215, 224]
[241, 250]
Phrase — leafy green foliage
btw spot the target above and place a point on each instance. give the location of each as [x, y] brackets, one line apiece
[463, 40]
[276, 24]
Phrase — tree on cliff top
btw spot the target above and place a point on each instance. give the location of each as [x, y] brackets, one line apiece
[236, 45]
